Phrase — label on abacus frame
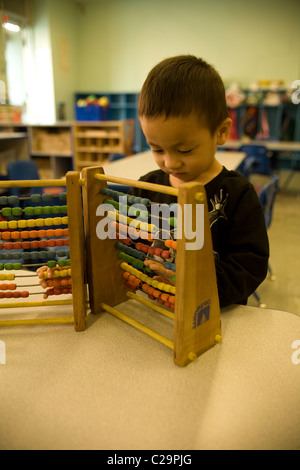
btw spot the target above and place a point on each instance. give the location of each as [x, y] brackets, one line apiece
[121, 224]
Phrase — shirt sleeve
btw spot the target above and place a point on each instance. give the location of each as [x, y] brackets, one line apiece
[243, 262]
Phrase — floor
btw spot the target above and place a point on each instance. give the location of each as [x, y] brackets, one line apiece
[284, 235]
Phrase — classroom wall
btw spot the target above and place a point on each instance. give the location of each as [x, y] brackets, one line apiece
[110, 45]
[64, 17]
[121, 40]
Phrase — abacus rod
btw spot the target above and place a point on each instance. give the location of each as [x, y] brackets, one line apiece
[42, 321]
[33, 183]
[158, 309]
[49, 303]
[138, 184]
[137, 325]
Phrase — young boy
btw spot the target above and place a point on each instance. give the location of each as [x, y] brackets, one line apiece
[184, 117]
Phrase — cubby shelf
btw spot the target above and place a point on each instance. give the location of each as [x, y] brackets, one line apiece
[96, 141]
[121, 106]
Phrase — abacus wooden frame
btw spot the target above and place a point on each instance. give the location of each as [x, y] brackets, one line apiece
[196, 285]
[76, 241]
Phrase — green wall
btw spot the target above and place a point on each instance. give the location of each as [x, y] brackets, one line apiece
[120, 40]
[110, 45]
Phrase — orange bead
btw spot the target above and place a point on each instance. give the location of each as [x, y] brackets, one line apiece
[8, 246]
[6, 236]
[24, 234]
[15, 235]
[50, 233]
[33, 234]
[42, 233]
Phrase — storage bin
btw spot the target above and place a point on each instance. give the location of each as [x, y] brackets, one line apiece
[92, 113]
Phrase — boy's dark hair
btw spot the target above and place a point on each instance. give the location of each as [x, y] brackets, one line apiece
[182, 84]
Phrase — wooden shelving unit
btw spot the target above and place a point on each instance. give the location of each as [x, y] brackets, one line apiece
[51, 147]
[13, 145]
[96, 141]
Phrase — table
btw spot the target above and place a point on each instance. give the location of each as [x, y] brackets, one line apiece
[112, 387]
[275, 145]
[135, 166]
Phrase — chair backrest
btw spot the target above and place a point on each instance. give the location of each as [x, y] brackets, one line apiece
[267, 196]
[256, 160]
[23, 170]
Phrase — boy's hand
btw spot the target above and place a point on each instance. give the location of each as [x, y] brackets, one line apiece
[164, 275]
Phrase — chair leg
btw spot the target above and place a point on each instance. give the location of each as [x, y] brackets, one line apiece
[257, 297]
[271, 275]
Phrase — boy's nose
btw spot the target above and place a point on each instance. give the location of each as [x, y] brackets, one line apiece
[172, 162]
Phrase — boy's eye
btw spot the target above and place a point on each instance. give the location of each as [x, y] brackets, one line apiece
[157, 150]
[185, 151]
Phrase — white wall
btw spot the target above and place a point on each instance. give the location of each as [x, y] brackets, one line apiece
[120, 40]
[39, 66]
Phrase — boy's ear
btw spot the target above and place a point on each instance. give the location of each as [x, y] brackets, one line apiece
[223, 131]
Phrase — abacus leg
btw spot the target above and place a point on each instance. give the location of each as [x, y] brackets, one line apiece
[197, 309]
[76, 236]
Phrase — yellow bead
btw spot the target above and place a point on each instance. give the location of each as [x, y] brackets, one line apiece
[22, 224]
[13, 224]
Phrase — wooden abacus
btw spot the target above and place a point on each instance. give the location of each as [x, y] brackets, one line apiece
[27, 236]
[197, 325]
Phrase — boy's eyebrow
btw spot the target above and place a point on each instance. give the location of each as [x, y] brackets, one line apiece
[176, 144]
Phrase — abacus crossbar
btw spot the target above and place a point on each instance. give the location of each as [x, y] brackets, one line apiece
[138, 184]
[138, 325]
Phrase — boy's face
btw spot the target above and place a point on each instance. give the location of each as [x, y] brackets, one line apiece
[184, 148]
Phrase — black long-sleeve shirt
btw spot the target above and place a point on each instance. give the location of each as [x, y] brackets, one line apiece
[238, 229]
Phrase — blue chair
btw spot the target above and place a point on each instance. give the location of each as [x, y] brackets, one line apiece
[113, 157]
[256, 160]
[267, 196]
[22, 170]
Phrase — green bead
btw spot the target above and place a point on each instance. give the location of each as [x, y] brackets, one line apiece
[47, 210]
[51, 264]
[62, 196]
[1, 267]
[6, 212]
[173, 222]
[9, 266]
[29, 211]
[38, 210]
[47, 197]
[62, 263]
[8, 256]
[17, 212]
[3, 201]
[56, 210]
[17, 266]
[36, 198]
[12, 200]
